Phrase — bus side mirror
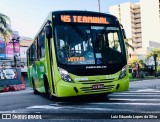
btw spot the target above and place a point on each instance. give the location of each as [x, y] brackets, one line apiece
[48, 30]
[124, 33]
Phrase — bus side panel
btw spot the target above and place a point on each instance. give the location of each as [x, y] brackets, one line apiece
[29, 75]
[42, 72]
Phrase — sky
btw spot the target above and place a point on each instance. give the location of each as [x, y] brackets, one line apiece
[27, 16]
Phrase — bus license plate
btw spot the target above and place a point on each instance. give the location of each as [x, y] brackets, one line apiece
[98, 86]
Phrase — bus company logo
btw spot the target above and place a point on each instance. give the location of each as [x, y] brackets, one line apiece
[96, 67]
[6, 116]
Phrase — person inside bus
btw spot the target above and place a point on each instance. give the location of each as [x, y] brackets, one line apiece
[109, 55]
[63, 53]
[89, 53]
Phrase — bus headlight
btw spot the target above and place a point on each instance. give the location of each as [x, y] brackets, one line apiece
[123, 72]
[65, 75]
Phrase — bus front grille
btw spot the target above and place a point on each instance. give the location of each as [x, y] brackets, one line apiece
[97, 81]
[106, 88]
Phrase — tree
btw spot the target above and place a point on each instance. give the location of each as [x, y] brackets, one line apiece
[126, 41]
[153, 52]
[5, 29]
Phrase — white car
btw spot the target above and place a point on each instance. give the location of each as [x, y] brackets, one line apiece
[9, 73]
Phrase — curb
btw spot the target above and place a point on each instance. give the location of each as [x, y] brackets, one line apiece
[13, 88]
[140, 79]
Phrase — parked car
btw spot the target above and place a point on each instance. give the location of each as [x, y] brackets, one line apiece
[8, 74]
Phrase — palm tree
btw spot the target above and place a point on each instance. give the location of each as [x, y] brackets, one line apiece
[5, 30]
[153, 52]
[126, 41]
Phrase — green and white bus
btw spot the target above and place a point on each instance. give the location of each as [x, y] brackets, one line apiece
[78, 53]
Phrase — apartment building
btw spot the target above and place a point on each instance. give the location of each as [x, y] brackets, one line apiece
[141, 22]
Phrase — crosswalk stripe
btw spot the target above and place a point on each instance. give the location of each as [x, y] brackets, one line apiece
[147, 93]
[131, 99]
[129, 95]
[122, 103]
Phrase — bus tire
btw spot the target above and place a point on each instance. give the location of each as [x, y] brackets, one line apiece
[34, 88]
[47, 89]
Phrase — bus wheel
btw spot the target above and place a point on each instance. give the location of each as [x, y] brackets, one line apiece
[34, 88]
[48, 91]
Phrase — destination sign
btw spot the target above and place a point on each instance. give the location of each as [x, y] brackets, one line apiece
[84, 19]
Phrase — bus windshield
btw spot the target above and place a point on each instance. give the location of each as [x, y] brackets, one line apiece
[84, 44]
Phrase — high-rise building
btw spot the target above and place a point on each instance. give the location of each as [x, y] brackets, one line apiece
[141, 22]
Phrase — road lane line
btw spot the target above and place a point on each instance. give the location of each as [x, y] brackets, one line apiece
[134, 95]
[127, 99]
[122, 103]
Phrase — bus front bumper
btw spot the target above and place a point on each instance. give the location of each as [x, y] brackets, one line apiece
[65, 89]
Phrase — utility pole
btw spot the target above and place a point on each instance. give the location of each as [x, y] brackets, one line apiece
[99, 7]
[155, 62]
[14, 41]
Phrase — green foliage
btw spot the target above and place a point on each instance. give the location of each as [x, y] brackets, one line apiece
[154, 51]
[5, 30]
[158, 68]
[140, 62]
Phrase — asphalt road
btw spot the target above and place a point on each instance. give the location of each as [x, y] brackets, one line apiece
[141, 101]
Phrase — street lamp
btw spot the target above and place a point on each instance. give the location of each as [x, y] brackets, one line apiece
[14, 41]
[155, 62]
[99, 7]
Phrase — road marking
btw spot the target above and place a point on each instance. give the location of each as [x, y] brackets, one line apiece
[135, 95]
[44, 107]
[122, 103]
[141, 90]
[106, 109]
[127, 99]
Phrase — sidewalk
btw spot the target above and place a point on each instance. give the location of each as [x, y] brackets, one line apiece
[146, 78]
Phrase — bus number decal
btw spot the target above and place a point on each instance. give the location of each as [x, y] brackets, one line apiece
[111, 76]
[81, 78]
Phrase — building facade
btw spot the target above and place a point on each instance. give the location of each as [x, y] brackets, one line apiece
[141, 22]
[24, 44]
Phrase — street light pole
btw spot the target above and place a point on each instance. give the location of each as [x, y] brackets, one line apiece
[14, 41]
[155, 62]
[99, 7]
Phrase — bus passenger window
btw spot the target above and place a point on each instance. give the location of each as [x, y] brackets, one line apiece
[42, 44]
[32, 54]
[42, 50]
